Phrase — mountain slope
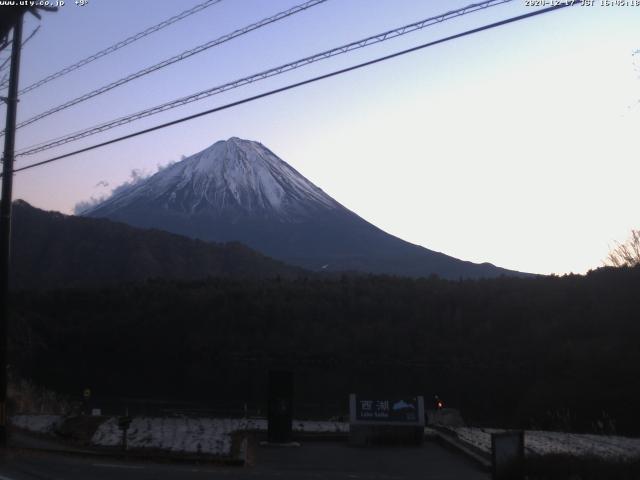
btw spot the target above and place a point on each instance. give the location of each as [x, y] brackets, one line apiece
[240, 190]
[52, 250]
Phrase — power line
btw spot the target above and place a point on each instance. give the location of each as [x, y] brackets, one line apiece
[120, 44]
[174, 59]
[381, 37]
[5, 63]
[304, 82]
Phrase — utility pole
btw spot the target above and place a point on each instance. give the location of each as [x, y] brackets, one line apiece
[5, 215]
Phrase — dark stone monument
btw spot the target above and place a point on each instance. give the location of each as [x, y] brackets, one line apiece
[280, 407]
[507, 455]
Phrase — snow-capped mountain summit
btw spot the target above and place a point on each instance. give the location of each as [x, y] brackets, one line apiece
[231, 178]
[238, 190]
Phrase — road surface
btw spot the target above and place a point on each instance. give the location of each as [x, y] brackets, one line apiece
[313, 460]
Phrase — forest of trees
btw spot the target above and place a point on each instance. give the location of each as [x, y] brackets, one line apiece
[542, 352]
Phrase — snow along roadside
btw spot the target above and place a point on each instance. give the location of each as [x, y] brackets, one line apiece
[209, 436]
[550, 443]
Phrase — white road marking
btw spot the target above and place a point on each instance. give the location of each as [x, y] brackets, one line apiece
[2, 477]
[113, 465]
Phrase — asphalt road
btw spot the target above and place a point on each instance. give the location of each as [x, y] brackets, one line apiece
[313, 460]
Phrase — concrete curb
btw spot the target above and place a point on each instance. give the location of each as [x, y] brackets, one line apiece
[450, 439]
[139, 455]
[240, 457]
[319, 437]
[52, 445]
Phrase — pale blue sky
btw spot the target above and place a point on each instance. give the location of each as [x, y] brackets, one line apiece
[516, 146]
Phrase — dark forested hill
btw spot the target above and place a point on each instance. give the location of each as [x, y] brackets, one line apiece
[547, 352]
[52, 250]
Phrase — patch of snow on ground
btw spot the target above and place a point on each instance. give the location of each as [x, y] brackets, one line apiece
[477, 437]
[601, 446]
[320, 427]
[37, 423]
[211, 436]
[108, 434]
[546, 443]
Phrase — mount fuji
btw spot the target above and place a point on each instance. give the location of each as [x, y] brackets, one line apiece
[238, 190]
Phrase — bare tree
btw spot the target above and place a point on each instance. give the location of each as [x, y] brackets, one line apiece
[627, 253]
